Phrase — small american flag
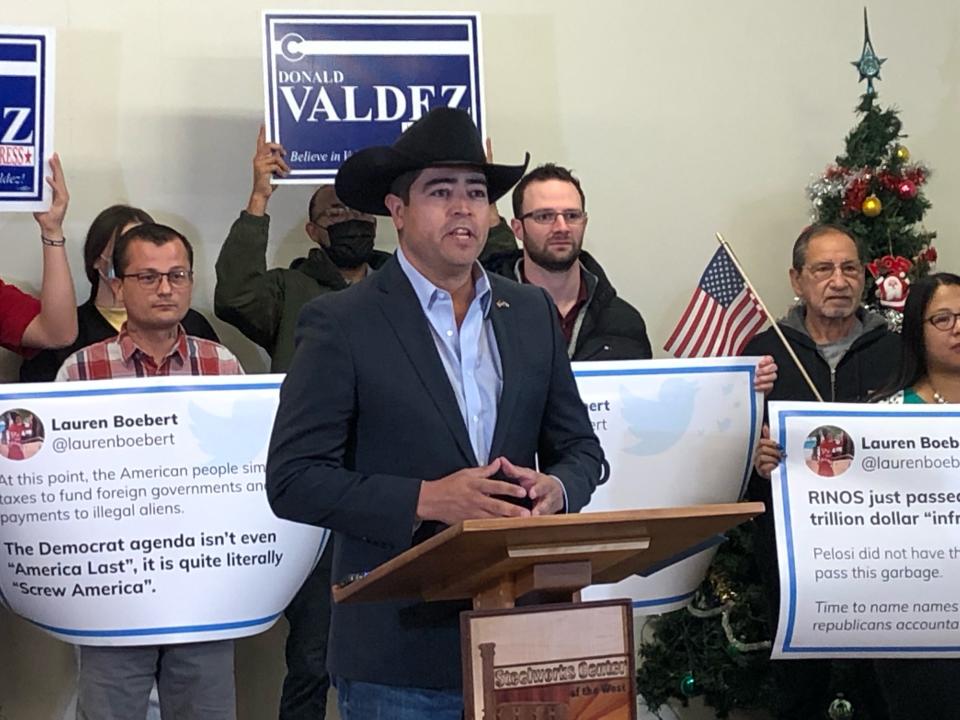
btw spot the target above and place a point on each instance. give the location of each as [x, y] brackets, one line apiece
[722, 315]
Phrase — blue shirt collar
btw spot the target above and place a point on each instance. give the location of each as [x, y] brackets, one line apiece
[427, 293]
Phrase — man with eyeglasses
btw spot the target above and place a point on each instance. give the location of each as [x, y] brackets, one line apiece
[848, 351]
[550, 221]
[154, 279]
[849, 354]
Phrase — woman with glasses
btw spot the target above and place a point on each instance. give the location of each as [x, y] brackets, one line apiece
[103, 314]
[929, 373]
[930, 354]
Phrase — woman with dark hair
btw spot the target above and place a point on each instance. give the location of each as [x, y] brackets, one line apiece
[930, 352]
[103, 314]
[929, 373]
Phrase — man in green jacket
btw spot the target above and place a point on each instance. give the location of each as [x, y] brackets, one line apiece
[264, 305]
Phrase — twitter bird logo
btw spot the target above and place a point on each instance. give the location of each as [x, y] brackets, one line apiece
[236, 437]
[658, 424]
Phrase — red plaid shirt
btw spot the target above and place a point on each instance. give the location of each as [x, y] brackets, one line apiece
[119, 357]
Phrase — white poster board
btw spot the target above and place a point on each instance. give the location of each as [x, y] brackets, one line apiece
[133, 512]
[867, 514]
[675, 432]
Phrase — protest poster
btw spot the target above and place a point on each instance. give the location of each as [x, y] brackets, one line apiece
[337, 82]
[675, 432]
[26, 117]
[133, 512]
[867, 514]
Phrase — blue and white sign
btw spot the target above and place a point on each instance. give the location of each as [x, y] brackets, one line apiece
[675, 432]
[26, 117]
[867, 514]
[335, 83]
[133, 512]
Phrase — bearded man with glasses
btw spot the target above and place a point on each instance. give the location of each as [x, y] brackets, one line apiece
[550, 221]
[849, 354]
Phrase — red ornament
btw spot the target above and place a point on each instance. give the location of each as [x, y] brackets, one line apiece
[907, 190]
[892, 283]
[928, 255]
[854, 196]
[892, 291]
[888, 179]
[889, 265]
[915, 175]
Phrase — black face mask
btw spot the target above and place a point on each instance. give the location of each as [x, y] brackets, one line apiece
[351, 242]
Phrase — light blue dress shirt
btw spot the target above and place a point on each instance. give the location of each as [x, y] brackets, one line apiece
[469, 353]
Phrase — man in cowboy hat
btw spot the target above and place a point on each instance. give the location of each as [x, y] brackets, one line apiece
[418, 398]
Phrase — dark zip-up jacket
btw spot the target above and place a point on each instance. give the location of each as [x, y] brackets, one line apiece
[264, 304]
[867, 366]
[607, 328]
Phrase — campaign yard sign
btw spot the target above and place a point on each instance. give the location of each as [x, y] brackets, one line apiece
[335, 83]
[26, 117]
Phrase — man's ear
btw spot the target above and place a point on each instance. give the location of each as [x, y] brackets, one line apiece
[517, 227]
[397, 209]
[795, 282]
[117, 285]
[314, 232]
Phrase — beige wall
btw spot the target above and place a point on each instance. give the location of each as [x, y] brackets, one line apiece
[682, 118]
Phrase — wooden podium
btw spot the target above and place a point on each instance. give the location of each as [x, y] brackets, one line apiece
[543, 563]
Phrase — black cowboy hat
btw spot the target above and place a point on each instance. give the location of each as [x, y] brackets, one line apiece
[444, 136]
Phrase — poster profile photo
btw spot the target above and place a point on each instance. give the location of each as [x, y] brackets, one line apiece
[828, 451]
[21, 434]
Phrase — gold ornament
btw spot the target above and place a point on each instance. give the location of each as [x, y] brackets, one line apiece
[871, 206]
[902, 153]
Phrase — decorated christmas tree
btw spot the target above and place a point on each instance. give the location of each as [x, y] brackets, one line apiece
[877, 191]
[718, 647]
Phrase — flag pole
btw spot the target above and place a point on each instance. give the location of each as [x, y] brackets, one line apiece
[773, 323]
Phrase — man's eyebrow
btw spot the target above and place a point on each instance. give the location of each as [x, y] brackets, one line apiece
[478, 180]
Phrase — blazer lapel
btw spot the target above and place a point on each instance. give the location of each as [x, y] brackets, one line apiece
[399, 304]
[506, 333]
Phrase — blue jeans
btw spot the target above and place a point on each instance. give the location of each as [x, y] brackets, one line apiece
[370, 701]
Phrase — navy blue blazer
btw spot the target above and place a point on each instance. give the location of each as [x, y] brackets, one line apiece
[367, 413]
